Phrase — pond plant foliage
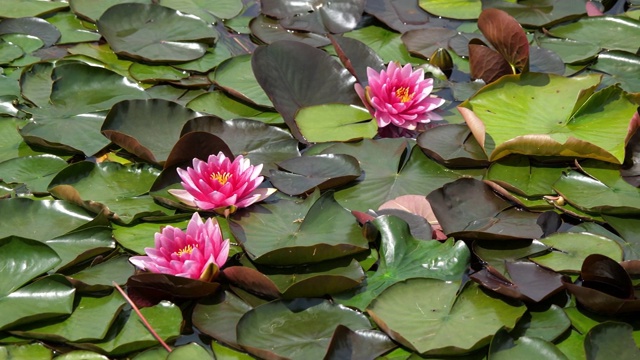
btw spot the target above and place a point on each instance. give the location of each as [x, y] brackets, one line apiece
[344, 179]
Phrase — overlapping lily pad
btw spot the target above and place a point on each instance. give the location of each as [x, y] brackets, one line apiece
[403, 257]
[573, 127]
[155, 33]
[123, 189]
[303, 174]
[433, 318]
[300, 328]
[273, 233]
[483, 215]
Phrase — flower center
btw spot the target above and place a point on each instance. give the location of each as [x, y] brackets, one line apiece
[186, 250]
[221, 177]
[403, 94]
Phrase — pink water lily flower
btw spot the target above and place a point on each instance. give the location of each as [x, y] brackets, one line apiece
[221, 185]
[188, 254]
[400, 97]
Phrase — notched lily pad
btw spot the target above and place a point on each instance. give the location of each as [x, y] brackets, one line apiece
[277, 329]
[570, 249]
[119, 190]
[291, 232]
[550, 115]
[435, 317]
[155, 33]
[325, 171]
[318, 17]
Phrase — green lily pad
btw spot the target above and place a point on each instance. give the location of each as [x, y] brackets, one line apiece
[597, 30]
[236, 77]
[206, 10]
[629, 230]
[525, 177]
[404, 257]
[26, 351]
[605, 191]
[156, 73]
[549, 324]
[549, 115]
[103, 56]
[335, 122]
[387, 176]
[117, 189]
[539, 13]
[89, 321]
[456, 9]
[219, 104]
[128, 124]
[101, 276]
[25, 8]
[504, 346]
[433, 318]
[189, 351]
[140, 236]
[570, 249]
[72, 29]
[297, 329]
[45, 219]
[318, 17]
[35, 172]
[571, 51]
[78, 246]
[573, 345]
[274, 232]
[619, 64]
[45, 299]
[33, 26]
[386, 43]
[76, 105]
[131, 335]
[269, 30]
[22, 260]
[155, 33]
[611, 340]
[218, 316]
[89, 10]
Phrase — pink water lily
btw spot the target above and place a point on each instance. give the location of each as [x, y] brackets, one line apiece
[221, 185]
[399, 96]
[190, 254]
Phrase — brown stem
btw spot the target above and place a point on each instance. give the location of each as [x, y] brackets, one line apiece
[144, 320]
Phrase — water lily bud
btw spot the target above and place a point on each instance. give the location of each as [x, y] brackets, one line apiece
[442, 59]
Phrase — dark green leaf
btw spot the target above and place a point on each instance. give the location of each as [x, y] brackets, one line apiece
[403, 257]
[300, 329]
[155, 33]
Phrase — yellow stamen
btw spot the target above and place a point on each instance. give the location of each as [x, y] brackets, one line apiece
[222, 178]
[186, 250]
[403, 94]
